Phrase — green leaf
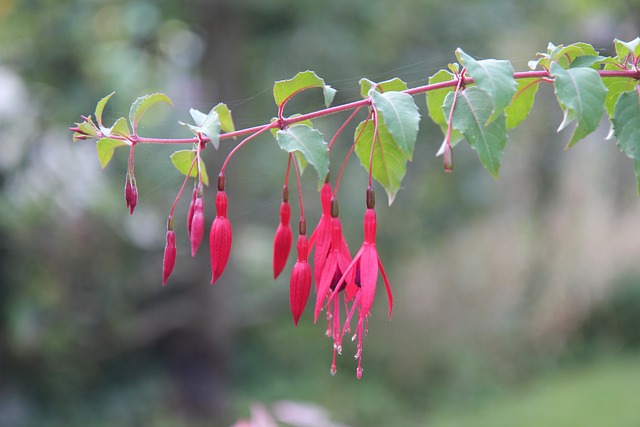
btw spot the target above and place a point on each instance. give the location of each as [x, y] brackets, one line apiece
[120, 128]
[206, 124]
[183, 160]
[563, 55]
[435, 101]
[616, 86]
[581, 95]
[88, 127]
[625, 48]
[285, 89]
[389, 162]
[401, 116]
[301, 162]
[522, 102]
[493, 76]
[626, 124]
[100, 107]
[310, 143]
[394, 84]
[224, 114]
[106, 147]
[592, 61]
[473, 108]
[142, 104]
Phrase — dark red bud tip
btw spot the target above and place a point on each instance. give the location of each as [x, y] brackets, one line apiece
[302, 226]
[335, 211]
[371, 198]
[447, 158]
[169, 259]
[221, 182]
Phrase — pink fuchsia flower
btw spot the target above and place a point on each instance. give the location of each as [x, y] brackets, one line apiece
[169, 258]
[197, 224]
[300, 284]
[283, 238]
[191, 207]
[321, 236]
[333, 270]
[131, 192]
[365, 266]
[221, 235]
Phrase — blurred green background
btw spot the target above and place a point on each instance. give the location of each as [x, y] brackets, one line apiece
[517, 300]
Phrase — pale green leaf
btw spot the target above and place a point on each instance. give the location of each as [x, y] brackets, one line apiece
[581, 95]
[522, 102]
[615, 86]
[389, 162]
[100, 108]
[435, 101]
[473, 108]
[106, 147]
[394, 84]
[493, 76]
[283, 90]
[626, 123]
[206, 124]
[623, 49]
[310, 143]
[120, 128]
[226, 120]
[88, 127]
[183, 159]
[401, 116]
[566, 55]
[592, 61]
[301, 162]
[142, 104]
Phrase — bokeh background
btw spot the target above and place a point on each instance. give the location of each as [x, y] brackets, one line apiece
[517, 300]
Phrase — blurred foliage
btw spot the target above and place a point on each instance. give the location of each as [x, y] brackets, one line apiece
[493, 279]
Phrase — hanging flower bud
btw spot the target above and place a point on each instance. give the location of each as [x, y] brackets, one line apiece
[447, 158]
[197, 225]
[130, 192]
[321, 236]
[300, 284]
[190, 212]
[221, 236]
[169, 259]
[283, 238]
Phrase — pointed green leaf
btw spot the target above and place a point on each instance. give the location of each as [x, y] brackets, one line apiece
[100, 108]
[226, 121]
[615, 86]
[566, 55]
[394, 84]
[592, 61]
[106, 147]
[522, 102]
[120, 128]
[493, 76]
[473, 108]
[142, 104]
[310, 143]
[626, 124]
[88, 127]
[581, 95]
[300, 161]
[183, 159]
[401, 116]
[389, 162]
[435, 101]
[283, 90]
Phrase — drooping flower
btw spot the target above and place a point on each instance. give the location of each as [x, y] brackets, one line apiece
[321, 236]
[333, 270]
[191, 207]
[169, 258]
[197, 225]
[221, 235]
[362, 287]
[300, 283]
[283, 238]
[131, 192]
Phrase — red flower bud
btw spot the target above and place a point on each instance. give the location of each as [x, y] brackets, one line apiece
[447, 158]
[190, 213]
[131, 192]
[300, 284]
[169, 259]
[197, 225]
[220, 237]
[282, 240]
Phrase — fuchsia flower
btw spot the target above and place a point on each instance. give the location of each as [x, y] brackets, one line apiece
[191, 207]
[362, 287]
[197, 225]
[169, 258]
[221, 236]
[283, 238]
[300, 283]
[332, 281]
[321, 236]
[131, 192]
